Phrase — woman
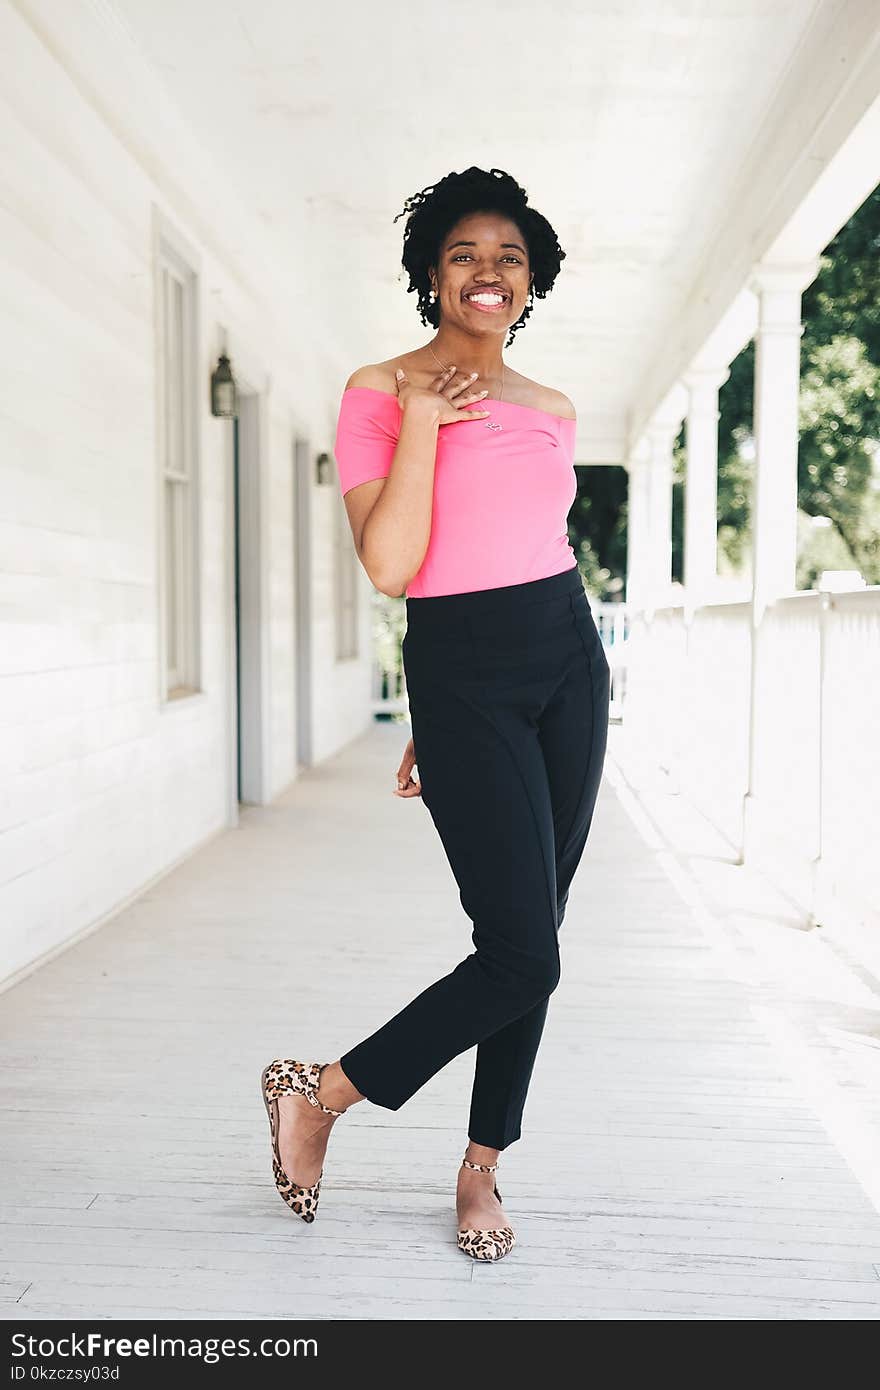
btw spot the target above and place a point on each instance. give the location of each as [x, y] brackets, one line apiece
[458, 477]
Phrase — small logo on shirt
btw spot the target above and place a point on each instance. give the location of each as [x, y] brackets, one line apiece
[492, 425]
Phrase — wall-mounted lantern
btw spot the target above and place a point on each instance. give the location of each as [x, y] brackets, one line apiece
[223, 395]
[323, 472]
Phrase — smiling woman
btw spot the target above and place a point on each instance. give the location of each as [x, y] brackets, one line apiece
[432, 237]
[458, 475]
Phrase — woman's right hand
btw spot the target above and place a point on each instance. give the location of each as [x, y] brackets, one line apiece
[407, 785]
[444, 394]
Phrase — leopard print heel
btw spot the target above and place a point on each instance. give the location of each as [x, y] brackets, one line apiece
[486, 1244]
[286, 1077]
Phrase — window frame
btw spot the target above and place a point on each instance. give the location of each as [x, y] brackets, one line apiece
[178, 466]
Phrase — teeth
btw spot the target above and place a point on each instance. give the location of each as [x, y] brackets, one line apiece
[486, 298]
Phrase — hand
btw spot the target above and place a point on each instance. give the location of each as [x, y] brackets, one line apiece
[444, 394]
[406, 784]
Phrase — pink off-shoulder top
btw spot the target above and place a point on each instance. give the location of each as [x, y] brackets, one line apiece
[501, 495]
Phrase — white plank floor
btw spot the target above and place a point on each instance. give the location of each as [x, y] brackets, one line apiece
[679, 1159]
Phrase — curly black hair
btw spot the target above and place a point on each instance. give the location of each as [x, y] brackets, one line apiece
[437, 208]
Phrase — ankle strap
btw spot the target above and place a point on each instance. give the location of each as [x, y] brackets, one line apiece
[319, 1104]
[312, 1080]
[480, 1167]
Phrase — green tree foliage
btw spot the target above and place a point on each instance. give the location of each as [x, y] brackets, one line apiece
[820, 546]
[840, 424]
[845, 296]
[736, 466]
[597, 529]
[839, 461]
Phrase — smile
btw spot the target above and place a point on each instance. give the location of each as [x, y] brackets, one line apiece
[487, 301]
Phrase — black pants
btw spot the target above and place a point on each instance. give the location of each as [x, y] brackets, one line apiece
[508, 692]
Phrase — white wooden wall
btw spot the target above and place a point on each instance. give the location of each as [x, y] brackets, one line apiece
[102, 787]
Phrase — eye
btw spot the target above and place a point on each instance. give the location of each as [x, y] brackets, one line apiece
[508, 256]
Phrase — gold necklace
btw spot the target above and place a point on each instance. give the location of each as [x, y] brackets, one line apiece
[490, 425]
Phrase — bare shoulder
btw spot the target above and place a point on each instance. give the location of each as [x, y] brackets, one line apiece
[381, 375]
[557, 403]
[540, 397]
[378, 375]
[560, 405]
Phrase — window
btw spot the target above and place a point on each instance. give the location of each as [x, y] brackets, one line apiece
[177, 434]
[346, 583]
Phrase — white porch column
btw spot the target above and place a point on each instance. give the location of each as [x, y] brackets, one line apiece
[777, 382]
[637, 526]
[660, 436]
[774, 522]
[701, 483]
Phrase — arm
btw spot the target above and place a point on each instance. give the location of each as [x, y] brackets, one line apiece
[390, 517]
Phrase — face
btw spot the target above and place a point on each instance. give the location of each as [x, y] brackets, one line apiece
[483, 255]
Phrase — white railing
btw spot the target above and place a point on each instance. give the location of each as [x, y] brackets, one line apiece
[612, 621]
[850, 784]
[774, 733]
[387, 691]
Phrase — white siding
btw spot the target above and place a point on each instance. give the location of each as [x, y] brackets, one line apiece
[102, 788]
